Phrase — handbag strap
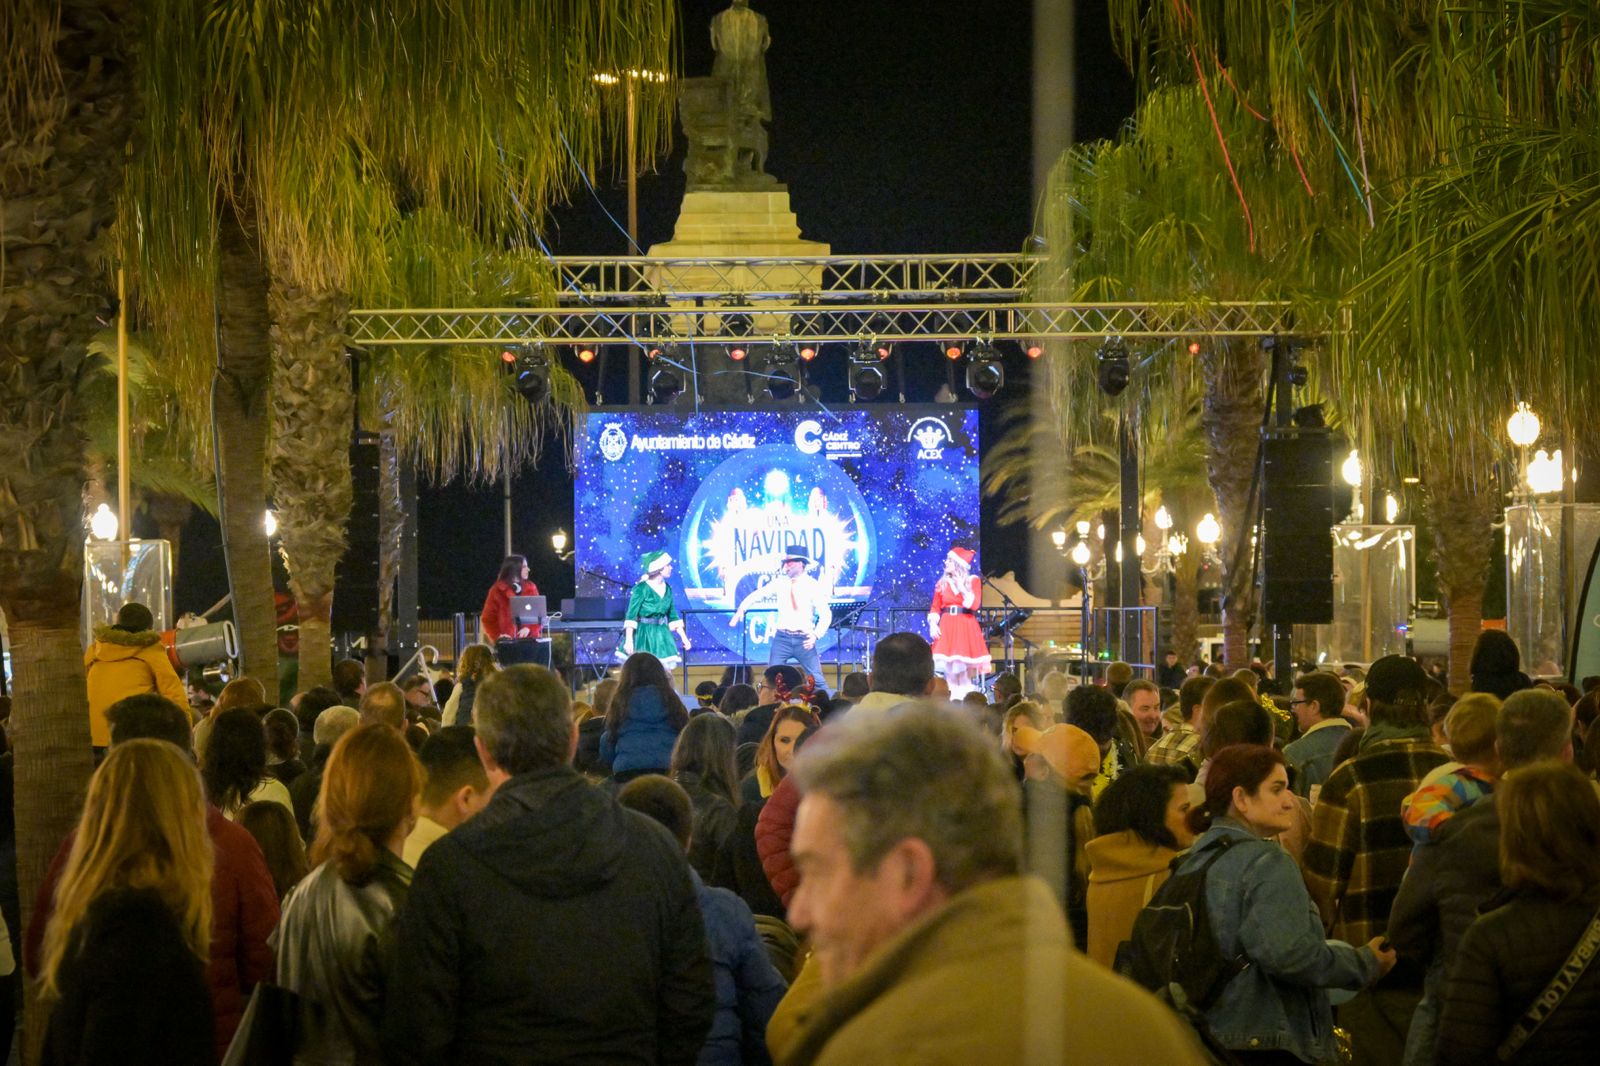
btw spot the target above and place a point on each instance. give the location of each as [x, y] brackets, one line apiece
[1554, 993]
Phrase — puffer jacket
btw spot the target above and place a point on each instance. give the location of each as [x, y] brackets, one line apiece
[774, 830]
[1260, 909]
[122, 664]
[1505, 960]
[333, 947]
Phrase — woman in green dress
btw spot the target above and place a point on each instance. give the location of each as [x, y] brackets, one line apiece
[652, 617]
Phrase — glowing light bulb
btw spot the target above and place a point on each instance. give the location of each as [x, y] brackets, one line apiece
[1083, 528]
[1209, 531]
[270, 523]
[1351, 470]
[103, 523]
[1163, 518]
[1058, 537]
[1138, 544]
[1523, 426]
[558, 541]
[1544, 472]
[1391, 508]
[1080, 553]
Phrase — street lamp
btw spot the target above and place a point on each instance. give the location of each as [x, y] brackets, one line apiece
[1058, 537]
[269, 522]
[630, 80]
[1080, 553]
[1163, 518]
[1351, 470]
[1544, 473]
[1523, 426]
[1391, 508]
[558, 541]
[103, 523]
[1083, 527]
[1209, 531]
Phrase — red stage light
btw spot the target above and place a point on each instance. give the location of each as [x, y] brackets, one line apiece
[1194, 347]
[586, 353]
[508, 356]
[952, 352]
[737, 353]
[882, 351]
[808, 352]
[1034, 350]
[652, 353]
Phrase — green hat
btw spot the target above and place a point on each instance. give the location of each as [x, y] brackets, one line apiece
[653, 561]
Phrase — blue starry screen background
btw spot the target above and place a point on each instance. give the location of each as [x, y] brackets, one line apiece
[876, 497]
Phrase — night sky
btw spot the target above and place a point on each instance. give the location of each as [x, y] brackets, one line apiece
[897, 129]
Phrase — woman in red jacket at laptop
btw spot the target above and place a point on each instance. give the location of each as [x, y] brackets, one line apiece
[496, 617]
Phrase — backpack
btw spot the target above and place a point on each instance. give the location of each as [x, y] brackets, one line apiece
[1173, 950]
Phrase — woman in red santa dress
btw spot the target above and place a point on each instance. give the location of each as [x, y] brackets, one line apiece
[960, 651]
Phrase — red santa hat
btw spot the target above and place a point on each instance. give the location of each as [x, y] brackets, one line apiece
[964, 555]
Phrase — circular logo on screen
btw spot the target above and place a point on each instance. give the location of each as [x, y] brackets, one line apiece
[931, 435]
[754, 509]
[613, 441]
[808, 436]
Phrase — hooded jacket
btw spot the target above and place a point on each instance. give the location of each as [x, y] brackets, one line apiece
[122, 664]
[555, 926]
[1124, 872]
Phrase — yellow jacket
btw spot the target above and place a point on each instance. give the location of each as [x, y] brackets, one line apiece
[123, 664]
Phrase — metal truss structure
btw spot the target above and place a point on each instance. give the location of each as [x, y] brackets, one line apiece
[837, 299]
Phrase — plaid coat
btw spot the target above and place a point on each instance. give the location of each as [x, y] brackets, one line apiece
[1359, 847]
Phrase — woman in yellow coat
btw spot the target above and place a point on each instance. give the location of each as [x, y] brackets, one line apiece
[127, 658]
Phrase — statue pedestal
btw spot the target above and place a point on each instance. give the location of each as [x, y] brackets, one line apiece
[737, 224]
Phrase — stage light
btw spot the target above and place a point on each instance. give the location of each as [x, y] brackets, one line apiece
[866, 381]
[508, 356]
[1080, 553]
[808, 352]
[737, 352]
[1194, 347]
[1115, 369]
[952, 350]
[986, 375]
[1298, 376]
[665, 385]
[781, 369]
[1033, 349]
[533, 375]
[585, 353]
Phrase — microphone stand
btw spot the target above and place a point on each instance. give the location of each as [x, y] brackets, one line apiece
[604, 577]
[1006, 640]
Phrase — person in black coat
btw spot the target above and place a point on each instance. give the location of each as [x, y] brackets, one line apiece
[1550, 836]
[555, 926]
[124, 965]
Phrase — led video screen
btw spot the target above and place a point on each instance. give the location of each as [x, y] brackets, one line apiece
[876, 497]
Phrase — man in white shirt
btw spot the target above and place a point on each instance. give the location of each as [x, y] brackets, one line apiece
[802, 613]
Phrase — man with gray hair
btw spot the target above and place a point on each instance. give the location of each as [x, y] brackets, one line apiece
[1450, 879]
[331, 724]
[929, 942]
[555, 926]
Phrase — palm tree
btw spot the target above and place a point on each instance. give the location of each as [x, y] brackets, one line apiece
[1155, 215]
[280, 156]
[1466, 135]
[1086, 484]
[66, 110]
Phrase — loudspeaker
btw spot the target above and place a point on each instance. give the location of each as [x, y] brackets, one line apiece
[1297, 528]
[355, 580]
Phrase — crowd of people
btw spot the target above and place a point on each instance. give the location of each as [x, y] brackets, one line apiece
[1193, 866]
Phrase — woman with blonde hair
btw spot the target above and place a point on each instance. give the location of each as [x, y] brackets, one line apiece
[124, 953]
[776, 751]
[328, 942]
[477, 662]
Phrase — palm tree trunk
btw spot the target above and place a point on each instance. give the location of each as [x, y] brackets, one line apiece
[239, 393]
[1234, 369]
[1462, 514]
[312, 414]
[171, 514]
[391, 522]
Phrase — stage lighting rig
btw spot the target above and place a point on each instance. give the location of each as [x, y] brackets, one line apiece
[780, 370]
[986, 374]
[530, 372]
[866, 372]
[665, 385]
[1115, 367]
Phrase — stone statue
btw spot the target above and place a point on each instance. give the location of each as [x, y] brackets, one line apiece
[724, 115]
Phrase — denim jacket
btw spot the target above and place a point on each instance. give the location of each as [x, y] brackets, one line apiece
[1260, 909]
